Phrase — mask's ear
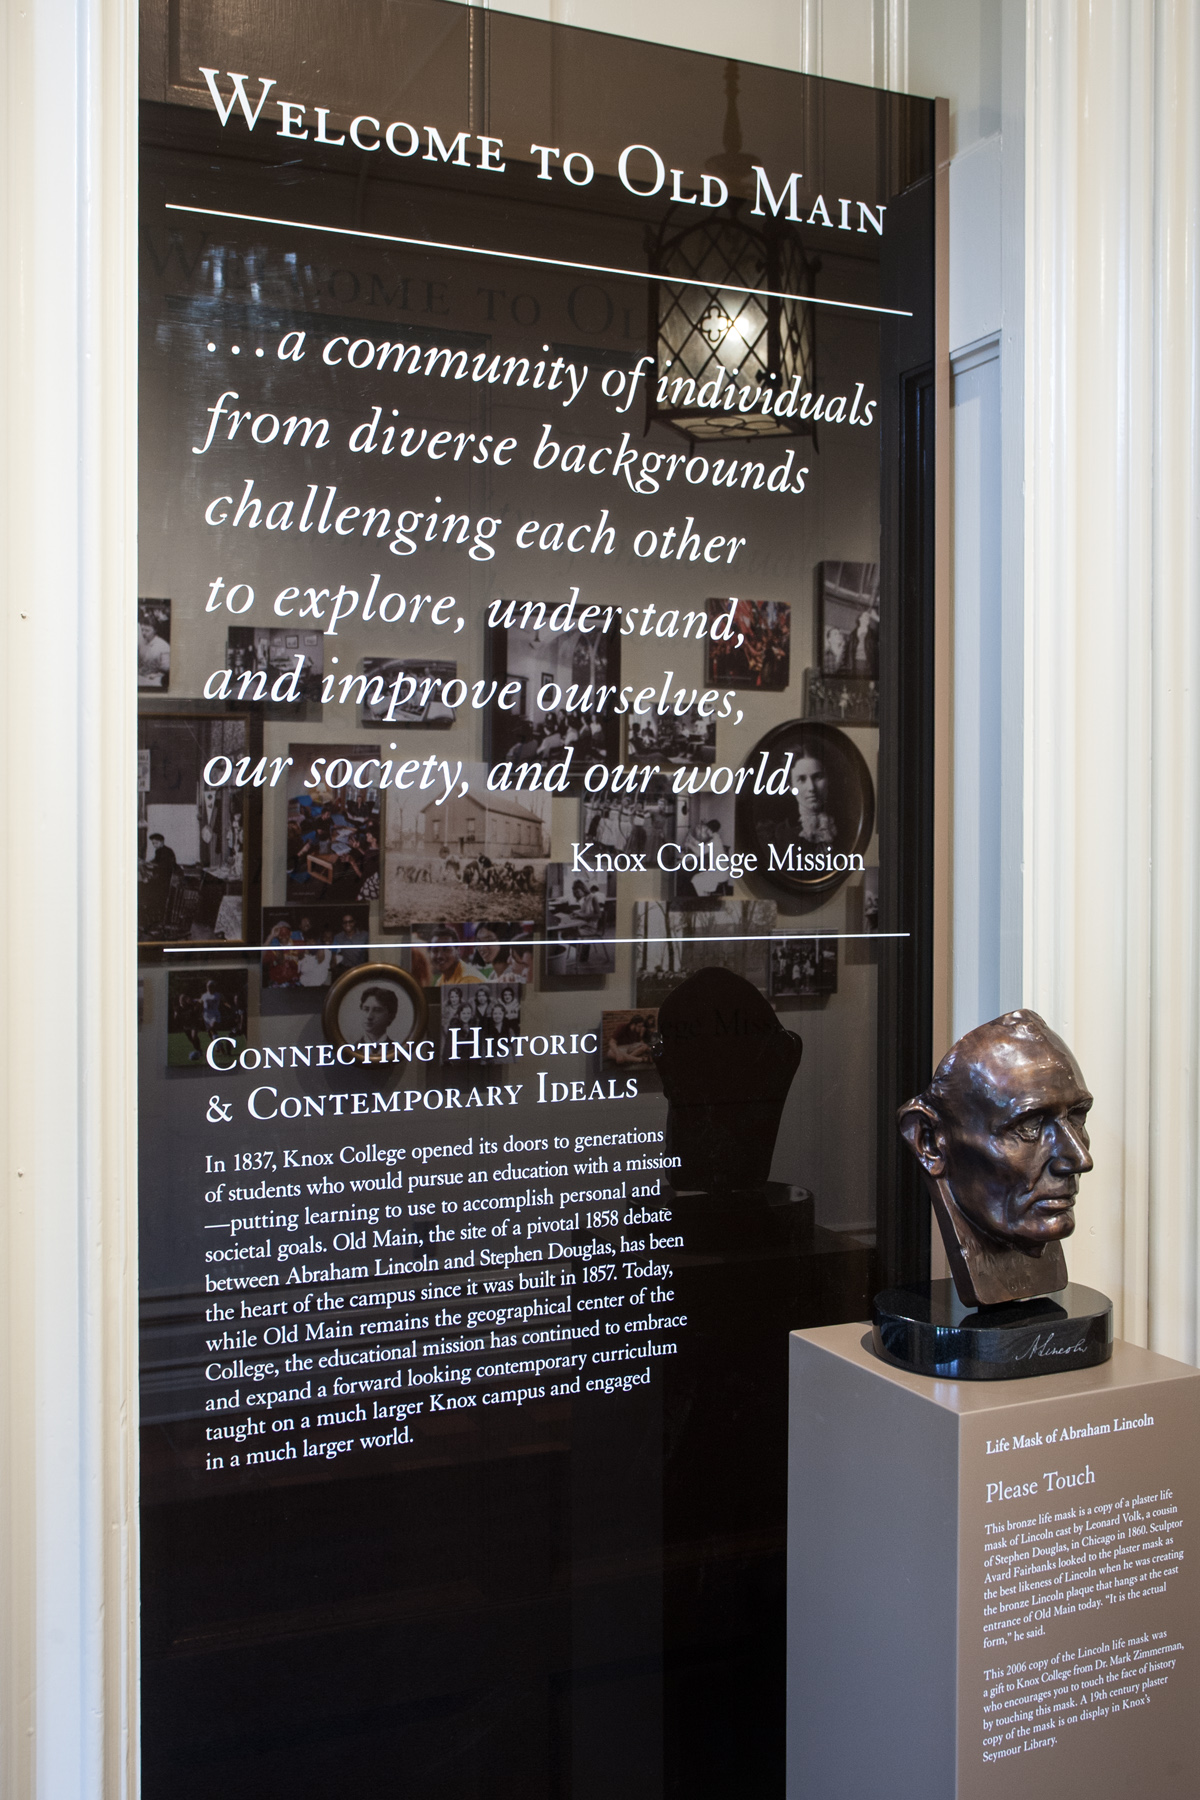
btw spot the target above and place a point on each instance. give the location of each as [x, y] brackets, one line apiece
[922, 1131]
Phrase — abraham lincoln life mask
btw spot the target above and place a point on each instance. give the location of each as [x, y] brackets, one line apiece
[1001, 1135]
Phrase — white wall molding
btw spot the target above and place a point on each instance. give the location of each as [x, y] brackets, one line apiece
[68, 1616]
[1112, 661]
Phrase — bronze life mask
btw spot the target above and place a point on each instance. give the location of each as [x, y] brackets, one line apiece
[1001, 1136]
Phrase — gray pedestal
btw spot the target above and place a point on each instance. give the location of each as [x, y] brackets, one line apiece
[988, 1592]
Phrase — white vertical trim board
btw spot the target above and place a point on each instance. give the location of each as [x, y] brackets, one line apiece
[979, 877]
[67, 961]
[1173, 1252]
[1111, 799]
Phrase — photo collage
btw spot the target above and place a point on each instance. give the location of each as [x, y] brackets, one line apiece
[485, 894]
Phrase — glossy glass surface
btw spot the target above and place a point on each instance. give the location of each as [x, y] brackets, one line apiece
[481, 654]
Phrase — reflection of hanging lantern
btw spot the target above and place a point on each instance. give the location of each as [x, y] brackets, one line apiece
[726, 357]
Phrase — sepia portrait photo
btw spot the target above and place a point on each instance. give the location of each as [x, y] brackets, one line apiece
[811, 821]
[376, 1003]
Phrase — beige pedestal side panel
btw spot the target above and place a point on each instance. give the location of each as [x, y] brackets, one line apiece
[992, 1586]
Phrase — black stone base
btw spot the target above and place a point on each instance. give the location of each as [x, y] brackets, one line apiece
[928, 1329]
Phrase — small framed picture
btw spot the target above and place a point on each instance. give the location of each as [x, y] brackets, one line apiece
[204, 1004]
[675, 939]
[870, 898]
[461, 855]
[630, 822]
[625, 1038]
[814, 828]
[840, 699]
[404, 694]
[306, 948]
[705, 831]
[493, 1008]
[803, 968]
[848, 619]
[565, 662]
[690, 741]
[444, 954]
[154, 645]
[754, 648]
[376, 1003]
[581, 923]
[192, 862]
[333, 829]
[275, 664]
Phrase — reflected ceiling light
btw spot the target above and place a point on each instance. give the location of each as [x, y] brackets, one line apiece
[726, 359]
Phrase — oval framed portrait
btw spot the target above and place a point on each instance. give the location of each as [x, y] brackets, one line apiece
[818, 816]
[376, 1003]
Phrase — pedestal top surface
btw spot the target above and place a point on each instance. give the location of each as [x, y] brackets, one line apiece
[1130, 1366]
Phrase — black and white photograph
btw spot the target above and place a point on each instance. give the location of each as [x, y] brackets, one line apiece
[870, 899]
[376, 1003]
[690, 741]
[191, 836]
[332, 825]
[840, 699]
[448, 952]
[569, 679]
[848, 619]
[674, 940]
[154, 645]
[625, 1038]
[704, 831]
[641, 821]
[581, 923]
[803, 968]
[275, 664]
[404, 694]
[465, 854]
[308, 947]
[813, 830]
[757, 654]
[202, 1005]
[491, 1007]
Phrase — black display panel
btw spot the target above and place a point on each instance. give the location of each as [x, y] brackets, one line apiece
[534, 800]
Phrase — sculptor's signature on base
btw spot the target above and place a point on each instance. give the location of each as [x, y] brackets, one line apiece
[1047, 1347]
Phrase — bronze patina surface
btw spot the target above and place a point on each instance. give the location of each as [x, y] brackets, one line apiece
[1001, 1135]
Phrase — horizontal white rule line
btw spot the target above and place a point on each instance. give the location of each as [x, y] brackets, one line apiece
[548, 262]
[757, 937]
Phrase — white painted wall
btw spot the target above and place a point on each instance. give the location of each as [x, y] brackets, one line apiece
[1112, 624]
[68, 1267]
